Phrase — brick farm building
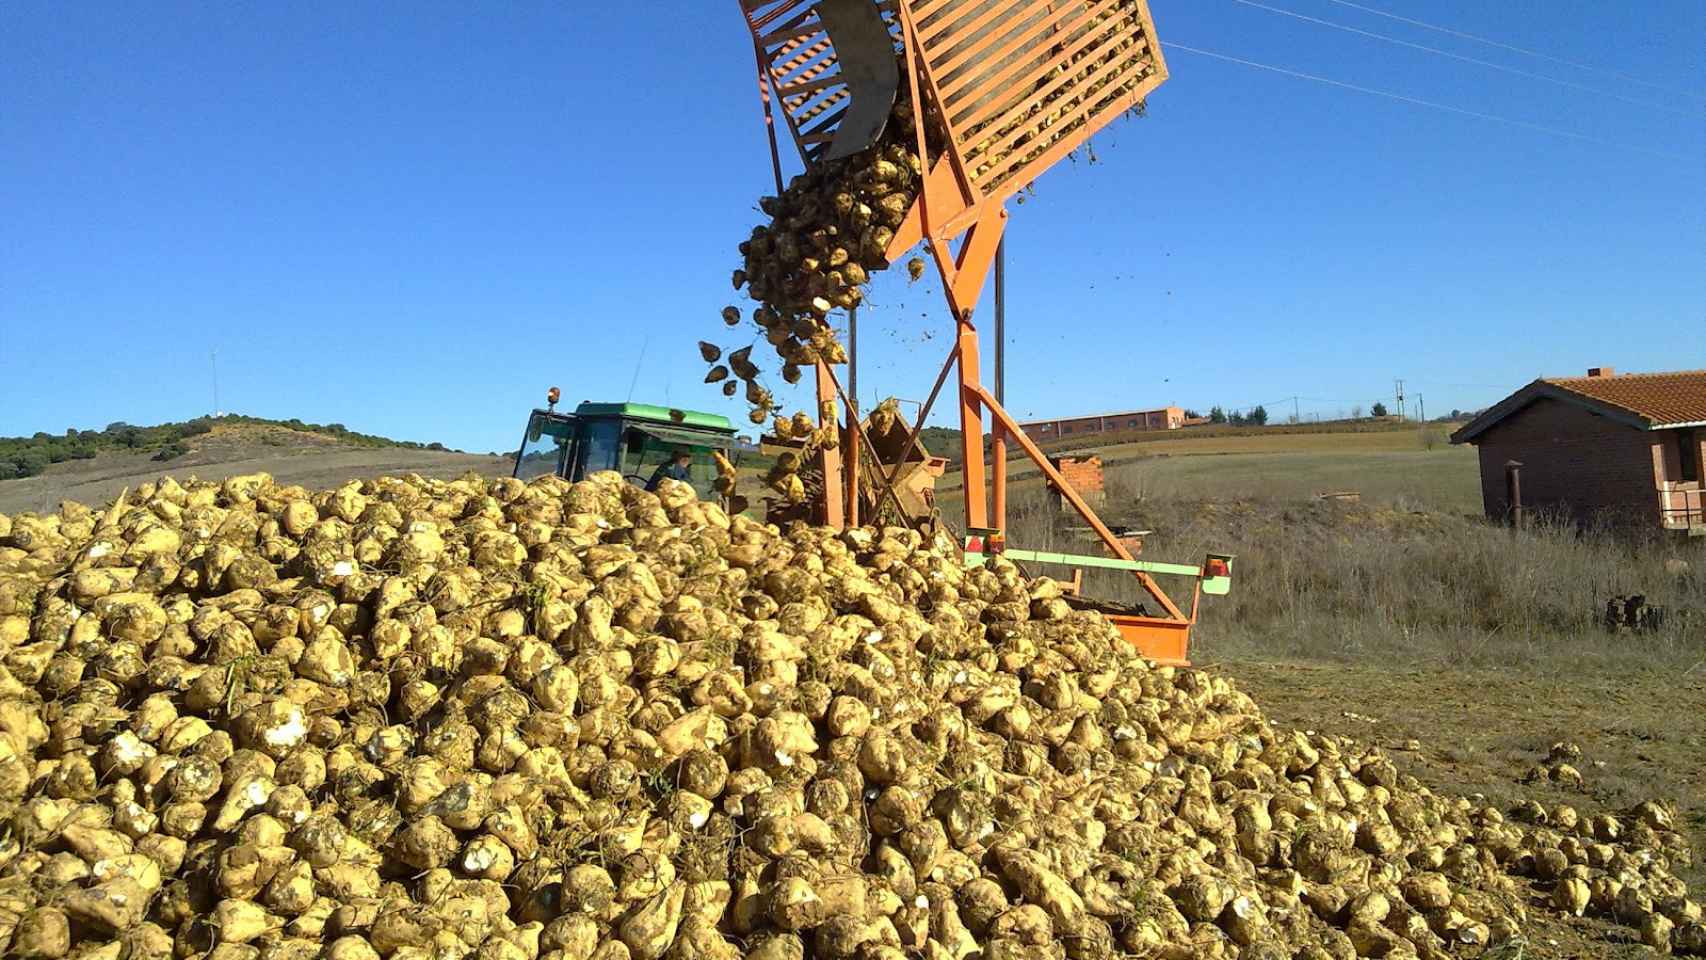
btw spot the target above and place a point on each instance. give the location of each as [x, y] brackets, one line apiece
[1630, 449]
[1165, 418]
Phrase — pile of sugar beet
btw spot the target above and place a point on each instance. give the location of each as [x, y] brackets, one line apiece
[425, 719]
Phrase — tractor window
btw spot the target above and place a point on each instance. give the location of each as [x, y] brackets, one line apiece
[602, 447]
[545, 448]
[650, 453]
[640, 454]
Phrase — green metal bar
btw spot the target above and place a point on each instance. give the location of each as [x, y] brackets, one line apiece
[1074, 560]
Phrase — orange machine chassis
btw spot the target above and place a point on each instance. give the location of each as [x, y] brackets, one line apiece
[964, 204]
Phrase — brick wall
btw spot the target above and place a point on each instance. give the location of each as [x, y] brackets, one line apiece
[1084, 473]
[1085, 476]
[1572, 460]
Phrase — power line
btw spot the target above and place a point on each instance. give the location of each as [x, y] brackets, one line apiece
[1416, 101]
[1515, 49]
[1490, 65]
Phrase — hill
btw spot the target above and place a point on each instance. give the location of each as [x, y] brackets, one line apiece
[29, 456]
[92, 466]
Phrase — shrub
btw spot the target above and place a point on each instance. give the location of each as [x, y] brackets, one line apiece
[171, 451]
[30, 463]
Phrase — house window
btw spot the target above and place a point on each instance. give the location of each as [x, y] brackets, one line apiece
[1065, 429]
[1688, 443]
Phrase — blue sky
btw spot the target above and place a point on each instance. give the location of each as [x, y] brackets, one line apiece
[414, 217]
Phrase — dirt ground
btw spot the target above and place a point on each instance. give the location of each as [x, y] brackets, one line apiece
[1642, 735]
[292, 457]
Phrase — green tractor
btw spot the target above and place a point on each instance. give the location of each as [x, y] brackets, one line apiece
[634, 439]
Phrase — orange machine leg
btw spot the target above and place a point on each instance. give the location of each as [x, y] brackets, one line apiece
[971, 430]
[963, 275]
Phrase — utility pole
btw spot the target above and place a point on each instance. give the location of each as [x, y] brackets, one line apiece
[1400, 390]
[1001, 322]
[853, 358]
[1421, 408]
[1295, 416]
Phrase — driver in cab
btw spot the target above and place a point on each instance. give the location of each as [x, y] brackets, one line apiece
[675, 468]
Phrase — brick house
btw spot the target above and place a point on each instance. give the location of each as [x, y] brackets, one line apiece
[1165, 418]
[1630, 448]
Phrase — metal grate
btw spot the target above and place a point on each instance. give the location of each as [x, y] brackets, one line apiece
[801, 67]
[1019, 83]
[1023, 82]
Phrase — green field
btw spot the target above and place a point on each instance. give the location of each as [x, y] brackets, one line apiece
[1445, 479]
[1408, 465]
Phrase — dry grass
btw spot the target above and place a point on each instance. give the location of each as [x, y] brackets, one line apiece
[1411, 573]
[1395, 580]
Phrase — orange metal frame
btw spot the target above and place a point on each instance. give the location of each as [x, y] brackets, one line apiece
[982, 79]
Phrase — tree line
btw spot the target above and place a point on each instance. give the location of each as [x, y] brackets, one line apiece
[1256, 416]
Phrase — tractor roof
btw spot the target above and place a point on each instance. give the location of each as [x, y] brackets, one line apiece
[665, 415]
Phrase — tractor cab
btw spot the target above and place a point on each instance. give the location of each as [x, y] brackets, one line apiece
[633, 439]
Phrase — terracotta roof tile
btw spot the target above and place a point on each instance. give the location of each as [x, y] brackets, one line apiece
[1662, 399]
